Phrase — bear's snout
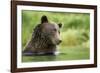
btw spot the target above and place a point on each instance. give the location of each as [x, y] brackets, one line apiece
[59, 42]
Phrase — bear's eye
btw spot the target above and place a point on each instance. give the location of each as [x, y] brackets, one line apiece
[55, 30]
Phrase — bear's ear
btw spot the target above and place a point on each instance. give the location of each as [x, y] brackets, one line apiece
[60, 25]
[44, 19]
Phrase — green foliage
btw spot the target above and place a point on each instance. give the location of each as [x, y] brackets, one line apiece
[70, 37]
[74, 37]
[75, 32]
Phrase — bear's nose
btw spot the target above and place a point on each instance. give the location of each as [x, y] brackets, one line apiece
[59, 42]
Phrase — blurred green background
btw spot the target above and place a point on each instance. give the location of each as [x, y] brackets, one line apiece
[74, 34]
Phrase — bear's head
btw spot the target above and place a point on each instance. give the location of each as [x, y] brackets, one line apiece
[52, 30]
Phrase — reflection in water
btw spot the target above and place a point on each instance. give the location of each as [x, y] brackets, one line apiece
[44, 58]
[69, 54]
[39, 58]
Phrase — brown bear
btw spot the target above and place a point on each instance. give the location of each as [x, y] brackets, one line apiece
[45, 38]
